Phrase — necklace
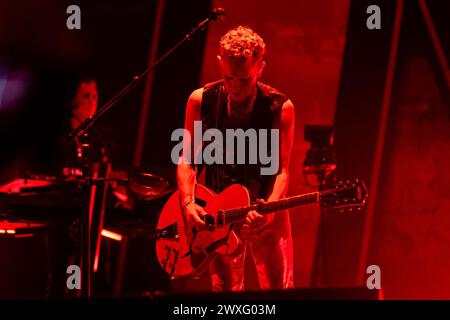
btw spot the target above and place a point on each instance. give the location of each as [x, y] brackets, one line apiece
[241, 112]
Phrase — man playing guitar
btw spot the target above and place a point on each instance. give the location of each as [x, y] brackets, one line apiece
[238, 100]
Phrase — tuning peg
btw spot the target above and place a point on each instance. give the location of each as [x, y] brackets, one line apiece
[350, 209]
[341, 211]
[356, 180]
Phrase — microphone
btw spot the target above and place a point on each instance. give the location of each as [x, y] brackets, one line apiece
[217, 14]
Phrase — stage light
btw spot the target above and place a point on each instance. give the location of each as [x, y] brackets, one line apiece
[111, 235]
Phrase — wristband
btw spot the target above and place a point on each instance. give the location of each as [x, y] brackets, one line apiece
[188, 200]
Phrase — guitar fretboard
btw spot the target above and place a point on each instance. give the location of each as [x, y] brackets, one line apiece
[239, 214]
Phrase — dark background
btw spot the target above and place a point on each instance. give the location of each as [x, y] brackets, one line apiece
[43, 60]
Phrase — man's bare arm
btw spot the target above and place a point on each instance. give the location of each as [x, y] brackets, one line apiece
[286, 140]
[281, 182]
[186, 170]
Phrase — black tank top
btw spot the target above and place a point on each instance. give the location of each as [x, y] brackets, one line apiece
[265, 115]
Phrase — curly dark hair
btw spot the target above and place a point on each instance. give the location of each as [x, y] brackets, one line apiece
[242, 43]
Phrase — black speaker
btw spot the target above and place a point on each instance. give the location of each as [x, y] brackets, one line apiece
[25, 261]
[128, 265]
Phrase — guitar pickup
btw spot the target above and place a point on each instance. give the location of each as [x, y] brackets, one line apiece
[209, 221]
[168, 233]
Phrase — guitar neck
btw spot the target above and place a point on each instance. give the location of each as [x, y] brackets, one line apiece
[239, 214]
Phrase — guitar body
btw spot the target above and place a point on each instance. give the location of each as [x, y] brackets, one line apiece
[182, 250]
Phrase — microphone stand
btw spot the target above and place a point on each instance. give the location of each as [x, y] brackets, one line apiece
[86, 267]
[136, 79]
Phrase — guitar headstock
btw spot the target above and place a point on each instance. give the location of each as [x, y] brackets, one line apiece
[348, 195]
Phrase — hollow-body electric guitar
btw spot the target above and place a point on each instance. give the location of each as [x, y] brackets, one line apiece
[184, 251]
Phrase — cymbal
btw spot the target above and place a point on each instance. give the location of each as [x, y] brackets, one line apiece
[149, 186]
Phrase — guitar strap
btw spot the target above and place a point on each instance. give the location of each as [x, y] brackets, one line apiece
[212, 110]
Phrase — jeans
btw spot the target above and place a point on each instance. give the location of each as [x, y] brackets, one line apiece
[271, 249]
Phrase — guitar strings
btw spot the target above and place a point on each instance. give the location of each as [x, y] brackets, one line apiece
[232, 215]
